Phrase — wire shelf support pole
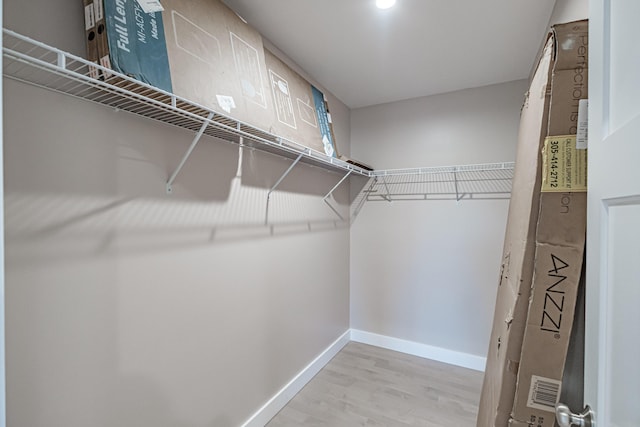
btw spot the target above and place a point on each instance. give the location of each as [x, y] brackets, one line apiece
[284, 175]
[388, 196]
[335, 187]
[188, 153]
[363, 199]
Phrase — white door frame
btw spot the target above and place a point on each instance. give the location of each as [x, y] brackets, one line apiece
[613, 184]
[3, 397]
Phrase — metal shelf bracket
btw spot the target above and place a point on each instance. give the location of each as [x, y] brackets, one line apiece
[284, 175]
[335, 187]
[195, 141]
[62, 61]
[361, 199]
[386, 186]
[455, 178]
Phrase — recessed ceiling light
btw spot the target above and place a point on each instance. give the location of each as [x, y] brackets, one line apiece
[385, 4]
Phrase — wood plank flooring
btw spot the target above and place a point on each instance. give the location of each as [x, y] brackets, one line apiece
[374, 387]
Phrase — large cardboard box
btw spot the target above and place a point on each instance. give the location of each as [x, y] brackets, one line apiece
[202, 51]
[217, 60]
[512, 301]
[198, 49]
[529, 341]
[560, 237]
[90, 35]
[103, 40]
[136, 43]
[301, 109]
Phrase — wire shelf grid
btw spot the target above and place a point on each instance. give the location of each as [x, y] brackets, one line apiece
[38, 64]
[483, 181]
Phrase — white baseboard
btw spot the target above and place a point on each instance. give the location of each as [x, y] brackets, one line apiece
[277, 402]
[422, 350]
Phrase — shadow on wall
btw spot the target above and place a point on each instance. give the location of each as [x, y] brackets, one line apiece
[262, 170]
[106, 175]
[141, 403]
[129, 306]
[141, 212]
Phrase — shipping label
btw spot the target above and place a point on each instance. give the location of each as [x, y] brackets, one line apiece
[544, 393]
[282, 99]
[98, 8]
[89, 17]
[150, 6]
[564, 167]
[324, 122]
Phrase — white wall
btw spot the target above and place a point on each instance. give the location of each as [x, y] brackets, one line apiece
[427, 271]
[563, 11]
[3, 401]
[128, 307]
[569, 10]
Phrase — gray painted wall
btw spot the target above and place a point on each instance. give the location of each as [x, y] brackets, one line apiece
[128, 307]
[569, 10]
[3, 400]
[427, 271]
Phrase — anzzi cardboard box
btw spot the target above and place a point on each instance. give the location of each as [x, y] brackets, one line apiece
[512, 301]
[560, 237]
[301, 109]
[529, 341]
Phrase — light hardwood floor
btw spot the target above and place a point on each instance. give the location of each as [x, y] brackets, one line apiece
[371, 386]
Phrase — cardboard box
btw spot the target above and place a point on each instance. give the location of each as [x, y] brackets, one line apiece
[137, 44]
[202, 51]
[560, 237]
[512, 301]
[357, 163]
[302, 113]
[546, 230]
[102, 39]
[217, 60]
[91, 40]
[324, 122]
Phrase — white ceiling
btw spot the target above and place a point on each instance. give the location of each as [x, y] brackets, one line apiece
[366, 56]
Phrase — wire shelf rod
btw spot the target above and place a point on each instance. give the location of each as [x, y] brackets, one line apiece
[38, 64]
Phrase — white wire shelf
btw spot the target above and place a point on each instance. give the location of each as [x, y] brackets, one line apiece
[38, 64]
[482, 181]
[35, 63]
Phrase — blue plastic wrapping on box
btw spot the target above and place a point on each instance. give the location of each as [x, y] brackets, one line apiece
[137, 43]
[324, 122]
